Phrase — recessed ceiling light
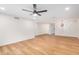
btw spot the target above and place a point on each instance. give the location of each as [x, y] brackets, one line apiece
[67, 8]
[2, 8]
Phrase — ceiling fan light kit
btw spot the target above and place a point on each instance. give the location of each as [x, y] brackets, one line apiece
[35, 12]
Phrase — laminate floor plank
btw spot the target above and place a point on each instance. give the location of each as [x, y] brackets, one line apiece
[43, 45]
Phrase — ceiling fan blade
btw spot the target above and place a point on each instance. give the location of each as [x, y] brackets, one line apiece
[38, 14]
[27, 10]
[42, 11]
[34, 6]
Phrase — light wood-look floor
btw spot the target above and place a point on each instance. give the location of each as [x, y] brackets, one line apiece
[43, 45]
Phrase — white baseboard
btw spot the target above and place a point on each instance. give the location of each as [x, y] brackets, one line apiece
[67, 35]
[15, 41]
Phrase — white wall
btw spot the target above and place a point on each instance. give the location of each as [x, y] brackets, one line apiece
[70, 28]
[42, 28]
[14, 30]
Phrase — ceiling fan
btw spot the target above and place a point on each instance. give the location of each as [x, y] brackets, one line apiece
[35, 12]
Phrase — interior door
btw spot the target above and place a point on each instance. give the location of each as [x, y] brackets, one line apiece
[52, 29]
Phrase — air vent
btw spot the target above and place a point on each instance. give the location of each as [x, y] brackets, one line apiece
[16, 18]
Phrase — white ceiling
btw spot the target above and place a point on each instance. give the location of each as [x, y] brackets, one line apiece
[54, 10]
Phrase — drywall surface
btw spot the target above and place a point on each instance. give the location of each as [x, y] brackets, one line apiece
[70, 27]
[42, 28]
[13, 30]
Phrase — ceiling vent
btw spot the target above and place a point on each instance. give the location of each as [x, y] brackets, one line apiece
[16, 18]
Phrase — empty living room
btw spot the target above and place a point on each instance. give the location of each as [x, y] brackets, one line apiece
[39, 29]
